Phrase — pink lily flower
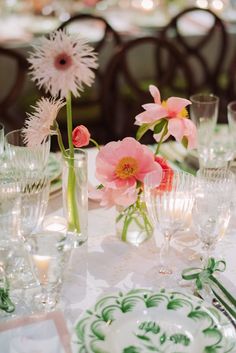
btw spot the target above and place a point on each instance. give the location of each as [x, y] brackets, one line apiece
[174, 110]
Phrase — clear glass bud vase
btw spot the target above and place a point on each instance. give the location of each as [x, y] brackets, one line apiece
[133, 224]
[75, 196]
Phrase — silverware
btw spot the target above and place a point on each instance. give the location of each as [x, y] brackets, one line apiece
[218, 306]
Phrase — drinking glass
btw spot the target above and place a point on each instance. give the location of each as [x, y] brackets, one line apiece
[169, 206]
[28, 165]
[1, 139]
[204, 113]
[34, 192]
[212, 206]
[220, 150]
[49, 254]
[22, 156]
[231, 115]
[10, 205]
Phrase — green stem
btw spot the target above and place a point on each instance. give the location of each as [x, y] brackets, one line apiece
[60, 142]
[72, 207]
[95, 143]
[127, 221]
[69, 124]
[164, 132]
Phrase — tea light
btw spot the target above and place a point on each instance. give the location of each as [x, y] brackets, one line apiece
[55, 223]
[42, 265]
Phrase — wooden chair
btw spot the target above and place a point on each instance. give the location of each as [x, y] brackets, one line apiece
[12, 112]
[133, 68]
[206, 51]
[88, 109]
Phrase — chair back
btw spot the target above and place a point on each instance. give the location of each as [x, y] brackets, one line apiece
[11, 113]
[202, 38]
[137, 64]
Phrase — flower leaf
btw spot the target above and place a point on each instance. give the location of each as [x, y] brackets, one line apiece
[142, 130]
[159, 126]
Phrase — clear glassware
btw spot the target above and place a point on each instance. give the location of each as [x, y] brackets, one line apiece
[24, 157]
[212, 207]
[219, 152]
[1, 139]
[169, 206]
[231, 115]
[10, 205]
[204, 113]
[75, 195]
[34, 192]
[49, 254]
[28, 165]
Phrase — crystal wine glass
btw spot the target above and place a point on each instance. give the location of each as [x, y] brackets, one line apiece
[49, 253]
[212, 206]
[169, 206]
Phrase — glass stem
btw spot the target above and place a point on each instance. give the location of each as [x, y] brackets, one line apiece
[164, 253]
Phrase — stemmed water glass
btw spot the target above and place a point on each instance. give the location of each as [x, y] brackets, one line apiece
[169, 206]
[49, 253]
[212, 206]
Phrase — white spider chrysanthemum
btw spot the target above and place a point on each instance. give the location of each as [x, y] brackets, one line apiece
[38, 124]
[62, 63]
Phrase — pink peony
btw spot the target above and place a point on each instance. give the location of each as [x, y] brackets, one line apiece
[123, 163]
[174, 110]
[80, 136]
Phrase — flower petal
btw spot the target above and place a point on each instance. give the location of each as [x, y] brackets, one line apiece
[176, 104]
[150, 116]
[155, 93]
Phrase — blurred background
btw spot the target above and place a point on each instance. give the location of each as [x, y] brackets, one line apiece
[182, 47]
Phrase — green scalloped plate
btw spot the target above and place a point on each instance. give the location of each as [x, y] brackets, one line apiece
[143, 321]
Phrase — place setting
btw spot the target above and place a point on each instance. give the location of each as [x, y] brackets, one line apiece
[151, 268]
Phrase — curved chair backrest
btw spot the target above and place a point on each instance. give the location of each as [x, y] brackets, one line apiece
[133, 68]
[205, 49]
[13, 81]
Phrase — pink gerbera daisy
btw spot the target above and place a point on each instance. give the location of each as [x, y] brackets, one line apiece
[62, 63]
[38, 124]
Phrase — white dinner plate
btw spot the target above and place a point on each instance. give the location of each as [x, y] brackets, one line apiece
[143, 321]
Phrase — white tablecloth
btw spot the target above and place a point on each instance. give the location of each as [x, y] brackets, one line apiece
[105, 264]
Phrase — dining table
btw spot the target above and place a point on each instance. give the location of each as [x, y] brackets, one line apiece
[105, 264]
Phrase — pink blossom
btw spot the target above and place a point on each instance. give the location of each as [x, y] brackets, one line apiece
[174, 110]
[80, 136]
[123, 163]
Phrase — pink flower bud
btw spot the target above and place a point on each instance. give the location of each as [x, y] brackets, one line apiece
[80, 136]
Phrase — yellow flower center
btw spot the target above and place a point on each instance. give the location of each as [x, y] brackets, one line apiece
[172, 114]
[126, 168]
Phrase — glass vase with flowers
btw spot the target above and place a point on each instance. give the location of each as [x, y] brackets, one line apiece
[62, 64]
[122, 166]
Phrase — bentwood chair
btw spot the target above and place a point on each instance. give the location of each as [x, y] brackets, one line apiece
[12, 110]
[204, 49]
[88, 108]
[133, 68]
